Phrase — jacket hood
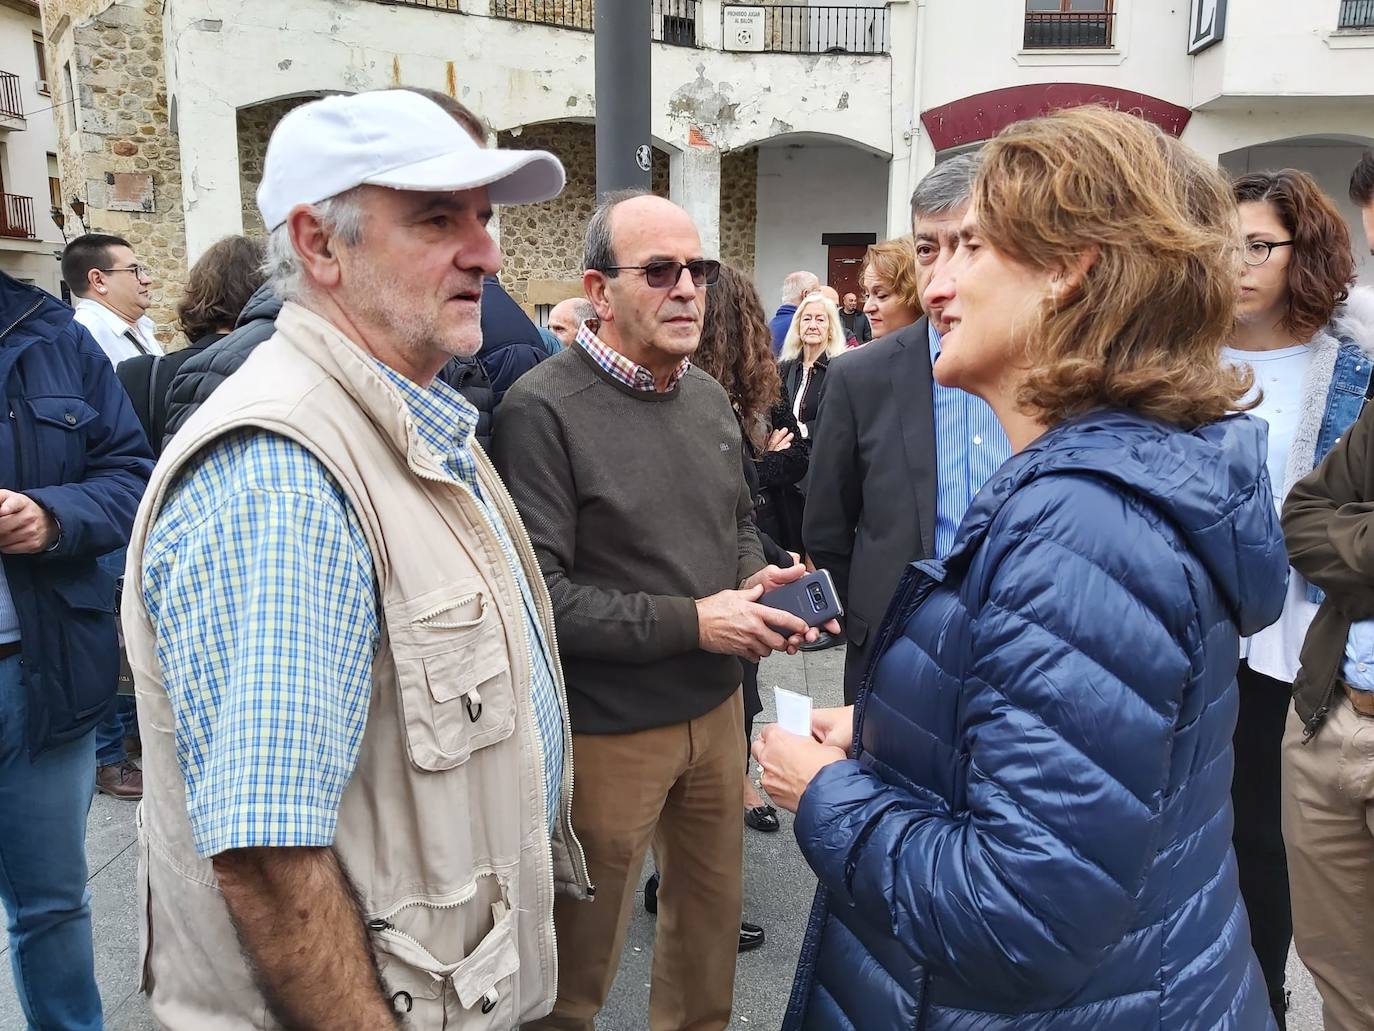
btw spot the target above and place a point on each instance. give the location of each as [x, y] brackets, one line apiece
[1211, 483]
[1354, 320]
[264, 304]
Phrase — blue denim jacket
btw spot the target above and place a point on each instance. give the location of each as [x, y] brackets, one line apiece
[1345, 398]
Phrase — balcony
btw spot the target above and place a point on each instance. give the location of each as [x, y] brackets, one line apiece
[1356, 14]
[11, 102]
[794, 29]
[1054, 30]
[17, 221]
[672, 21]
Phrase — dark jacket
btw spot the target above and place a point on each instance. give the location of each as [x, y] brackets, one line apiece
[1328, 520]
[856, 325]
[1035, 831]
[202, 373]
[870, 495]
[148, 377]
[779, 324]
[772, 477]
[791, 372]
[511, 344]
[75, 447]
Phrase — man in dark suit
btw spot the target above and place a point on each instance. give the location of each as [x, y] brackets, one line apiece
[895, 457]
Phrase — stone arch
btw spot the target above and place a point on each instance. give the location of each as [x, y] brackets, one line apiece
[254, 124]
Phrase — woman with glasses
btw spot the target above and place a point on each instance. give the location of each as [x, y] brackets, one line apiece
[1308, 339]
[815, 336]
[1026, 825]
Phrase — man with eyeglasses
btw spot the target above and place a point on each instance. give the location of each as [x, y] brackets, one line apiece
[113, 296]
[111, 287]
[624, 463]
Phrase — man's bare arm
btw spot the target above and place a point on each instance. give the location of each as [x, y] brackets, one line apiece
[301, 927]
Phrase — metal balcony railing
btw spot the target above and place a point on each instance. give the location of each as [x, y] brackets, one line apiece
[431, 5]
[11, 100]
[565, 14]
[18, 217]
[1091, 30]
[1356, 14]
[675, 22]
[794, 29]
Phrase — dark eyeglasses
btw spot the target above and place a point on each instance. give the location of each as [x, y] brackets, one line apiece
[662, 275]
[1256, 252]
[140, 271]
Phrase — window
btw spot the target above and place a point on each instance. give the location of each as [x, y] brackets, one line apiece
[54, 183]
[1069, 24]
[40, 60]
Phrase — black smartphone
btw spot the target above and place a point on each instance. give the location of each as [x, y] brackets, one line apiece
[812, 598]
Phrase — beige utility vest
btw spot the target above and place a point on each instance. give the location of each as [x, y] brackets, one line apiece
[443, 826]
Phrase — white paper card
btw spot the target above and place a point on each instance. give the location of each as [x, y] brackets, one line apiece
[794, 711]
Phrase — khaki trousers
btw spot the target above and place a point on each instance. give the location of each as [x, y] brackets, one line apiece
[1328, 826]
[677, 788]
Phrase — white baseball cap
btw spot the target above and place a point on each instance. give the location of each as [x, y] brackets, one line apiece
[395, 138]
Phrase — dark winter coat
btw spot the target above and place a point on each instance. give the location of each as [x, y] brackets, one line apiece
[1035, 829]
[791, 372]
[148, 377]
[511, 344]
[204, 372]
[75, 447]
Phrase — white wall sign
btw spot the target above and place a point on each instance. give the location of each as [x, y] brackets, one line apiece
[1206, 24]
[744, 28]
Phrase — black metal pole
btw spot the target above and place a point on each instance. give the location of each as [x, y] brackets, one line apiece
[624, 149]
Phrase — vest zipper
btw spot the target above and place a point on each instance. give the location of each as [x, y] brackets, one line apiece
[525, 548]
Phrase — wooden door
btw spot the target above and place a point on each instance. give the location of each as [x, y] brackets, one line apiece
[843, 264]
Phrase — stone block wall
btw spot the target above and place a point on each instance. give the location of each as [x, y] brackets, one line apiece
[739, 195]
[543, 242]
[115, 147]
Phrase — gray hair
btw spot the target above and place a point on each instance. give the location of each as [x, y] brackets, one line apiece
[341, 215]
[597, 250]
[797, 285]
[946, 187]
[582, 309]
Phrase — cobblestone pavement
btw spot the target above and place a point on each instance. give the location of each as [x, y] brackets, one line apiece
[777, 894]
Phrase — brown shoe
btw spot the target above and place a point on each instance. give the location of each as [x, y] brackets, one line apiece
[121, 780]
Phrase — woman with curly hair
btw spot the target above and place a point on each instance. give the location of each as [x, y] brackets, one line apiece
[217, 289]
[893, 296]
[1027, 823]
[1308, 338]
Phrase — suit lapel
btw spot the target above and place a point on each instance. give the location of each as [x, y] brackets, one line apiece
[911, 387]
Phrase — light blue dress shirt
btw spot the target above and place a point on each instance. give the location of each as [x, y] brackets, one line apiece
[969, 447]
[1359, 656]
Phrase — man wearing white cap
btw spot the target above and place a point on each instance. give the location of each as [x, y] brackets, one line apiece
[356, 758]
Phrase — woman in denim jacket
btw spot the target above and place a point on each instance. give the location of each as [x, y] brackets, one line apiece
[1308, 338]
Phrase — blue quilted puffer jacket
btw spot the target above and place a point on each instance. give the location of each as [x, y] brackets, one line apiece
[1035, 829]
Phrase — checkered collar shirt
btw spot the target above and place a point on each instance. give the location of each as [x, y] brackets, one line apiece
[632, 374]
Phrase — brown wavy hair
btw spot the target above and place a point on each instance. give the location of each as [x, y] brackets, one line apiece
[1143, 327]
[1322, 268]
[736, 349]
[219, 285]
[894, 262]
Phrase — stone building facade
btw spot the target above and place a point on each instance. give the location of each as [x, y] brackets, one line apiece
[116, 150]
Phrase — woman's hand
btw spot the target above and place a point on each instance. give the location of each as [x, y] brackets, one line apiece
[834, 727]
[779, 440]
[790, 763]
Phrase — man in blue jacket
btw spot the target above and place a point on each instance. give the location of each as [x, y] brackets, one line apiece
[72, 469]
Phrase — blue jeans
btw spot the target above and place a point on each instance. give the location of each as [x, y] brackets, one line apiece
[121, 721]
[43, 807]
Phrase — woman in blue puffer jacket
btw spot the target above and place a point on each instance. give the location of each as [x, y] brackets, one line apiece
[1032, 827]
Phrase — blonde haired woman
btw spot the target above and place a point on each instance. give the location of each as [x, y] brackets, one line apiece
[815, 336]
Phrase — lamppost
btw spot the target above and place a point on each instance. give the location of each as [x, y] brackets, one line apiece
[79, 210]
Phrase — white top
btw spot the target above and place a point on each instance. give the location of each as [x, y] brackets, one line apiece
[1274, 650]
[115, 336]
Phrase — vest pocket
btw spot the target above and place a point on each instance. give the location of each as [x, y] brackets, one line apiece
[453, 669]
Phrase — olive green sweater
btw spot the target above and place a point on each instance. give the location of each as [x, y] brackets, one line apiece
[637, 506]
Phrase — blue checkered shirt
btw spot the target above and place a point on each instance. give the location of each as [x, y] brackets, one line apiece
[259, 583]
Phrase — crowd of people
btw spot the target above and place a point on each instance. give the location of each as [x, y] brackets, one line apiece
[391, 562]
